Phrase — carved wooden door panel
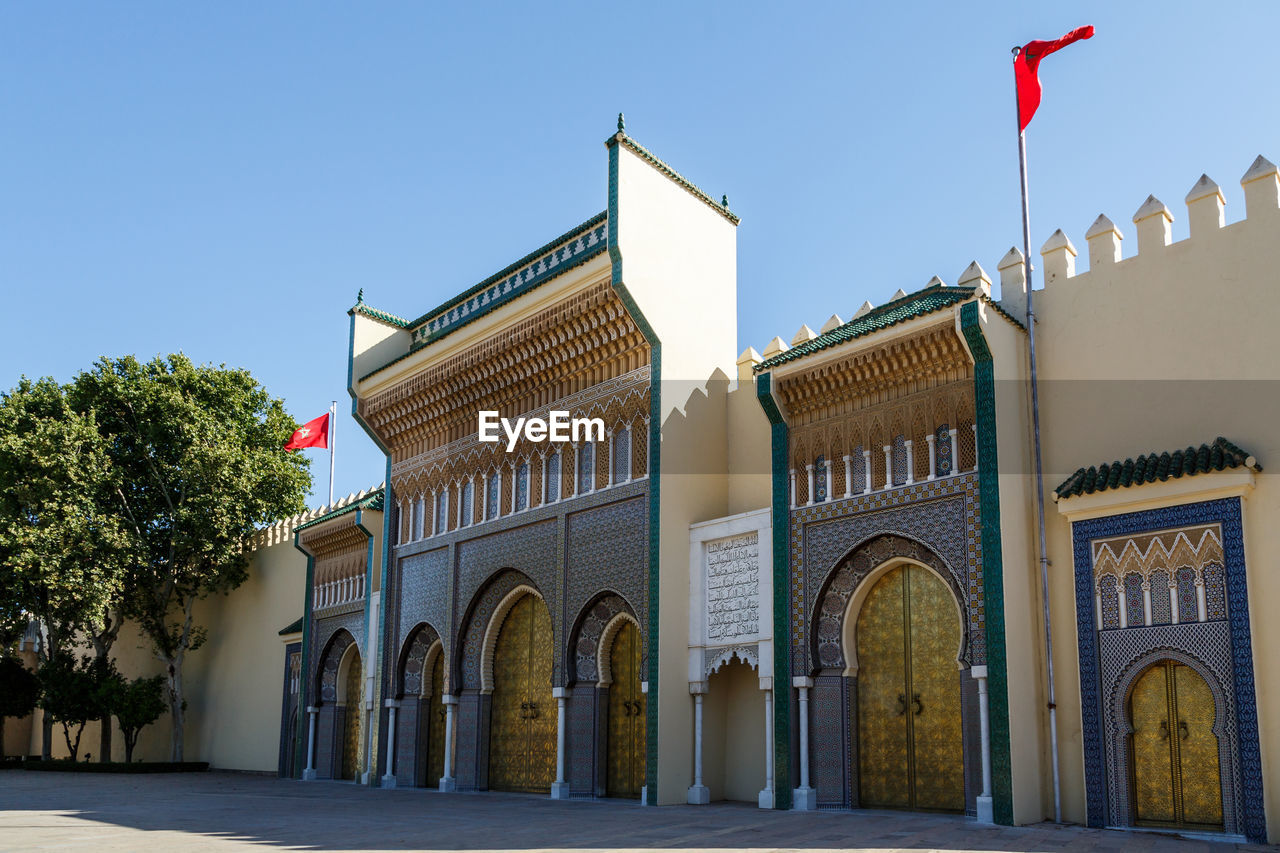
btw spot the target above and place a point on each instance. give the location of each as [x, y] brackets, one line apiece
[626, 732]
[352, 726]
[435, 712]
[910, 746]
[522, 728]
[1175, 772]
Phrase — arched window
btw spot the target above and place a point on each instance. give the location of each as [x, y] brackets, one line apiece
[1215, 592]
[1134, 613]
[551, 487]
[942, 447]
[820, 479]
[493, 496]
[1161, 605]
[442, 510]
[522, 486]
[621, 455]
[899, 459]
[419, 517]
[465, 512]
[859, 466]
[586, 467]
[1188, 608]
[1108, 592]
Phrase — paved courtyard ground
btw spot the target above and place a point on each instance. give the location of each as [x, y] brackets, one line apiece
[229, 812]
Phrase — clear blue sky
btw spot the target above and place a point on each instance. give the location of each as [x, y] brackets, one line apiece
[222, 178]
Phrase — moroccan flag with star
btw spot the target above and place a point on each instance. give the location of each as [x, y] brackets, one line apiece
[1026, 71]
[314, 433]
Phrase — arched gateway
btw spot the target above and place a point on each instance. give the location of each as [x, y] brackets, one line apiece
[522, 728]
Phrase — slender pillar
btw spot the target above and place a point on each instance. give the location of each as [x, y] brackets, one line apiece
[766, 796]
[848, 476]
[309, 774]
[1173, 604]
[804, 798]
[986, 812]
[1146, 602]
[930, 439]
[866, 471]
[1201, 608]
[389, 777]
[515, 484]
[809, 471]
[434, 531]
[699, 794]
[793, 488]
[888, 467]
[955, 450]
[560, 788]
[1124, 609]
[447, 782]
[911, 461]
[613, 449]
[830, 481]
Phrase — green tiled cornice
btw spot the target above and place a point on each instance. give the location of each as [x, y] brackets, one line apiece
[621, 138]
[372, 501]
[293, 627]
[381, 316]
[900, 310]
[984, 392]
[1150, 467]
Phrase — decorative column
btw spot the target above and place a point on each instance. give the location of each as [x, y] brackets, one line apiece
[848, 476]
[866, 471]
[793, 488]
[766, 796]
[484, 498]
[450, 702]
[1173, 601]
[888, 467]
[1146, 601]
[389, 777]
[804, 798]
[1201, 608]
[699, 794]
[827, 462]
[608, 441]
[1124, 610]
[933, 457]
[515, 484]
[986, 812]
[546, 492]
[577, 469]
[911, 461]
[434, 513]
[309, 774]
[560, 788]
[955, 451]
[809, 471]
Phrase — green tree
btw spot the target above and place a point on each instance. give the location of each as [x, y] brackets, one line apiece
[200, 465]
[19, 691]
[70, 695]
[62, 548]
[136, 705]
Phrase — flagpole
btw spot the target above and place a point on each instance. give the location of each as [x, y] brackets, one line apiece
[1035, 422]
[333, 440]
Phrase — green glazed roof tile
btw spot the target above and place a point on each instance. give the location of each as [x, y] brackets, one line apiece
[372, 501]
[900, 310]
[293, 627]
[1150, 467]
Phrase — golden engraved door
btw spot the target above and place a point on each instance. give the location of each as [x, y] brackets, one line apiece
[626, 732]
[910, 748]
[435, 724]
[351, 728]
[1175, 773]
[522, 728]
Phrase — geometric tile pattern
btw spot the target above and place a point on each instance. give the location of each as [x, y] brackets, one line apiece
[1237, 687]
[1161, 608]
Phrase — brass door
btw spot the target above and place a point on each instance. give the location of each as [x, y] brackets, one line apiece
[351, 728]
[910, 748]
[1175, 769]
[522, 727]
[435, 724]
[626, 733]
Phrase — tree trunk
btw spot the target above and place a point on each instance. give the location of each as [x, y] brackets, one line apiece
[176, 703]
[46, 735]
[128, 747]
[104, 741]
[102, 642]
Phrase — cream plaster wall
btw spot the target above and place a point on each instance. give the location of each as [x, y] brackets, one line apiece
[733, 758]
[679, 263]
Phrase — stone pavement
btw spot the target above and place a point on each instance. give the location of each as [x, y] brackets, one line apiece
[226, 812]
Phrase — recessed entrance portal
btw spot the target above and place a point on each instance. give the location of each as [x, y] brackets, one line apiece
[435, 725]
[522, 730]
[626, 716]
[1176, 779]
[910, 747]
[351, 725]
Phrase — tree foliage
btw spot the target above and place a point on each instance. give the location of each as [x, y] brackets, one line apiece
[71, 695]
[136, 704]
[198, 456]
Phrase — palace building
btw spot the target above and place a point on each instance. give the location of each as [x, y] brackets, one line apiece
[806, 577]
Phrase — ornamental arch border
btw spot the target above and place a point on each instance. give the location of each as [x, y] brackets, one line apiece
[589, 627]
[494, 626]
[326, 677]
[604, 649]
[418, 647]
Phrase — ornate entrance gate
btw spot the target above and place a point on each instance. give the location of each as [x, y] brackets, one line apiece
[910, 748]
[1176, 779]
[351, 726]
[522, 729]
[626, 716]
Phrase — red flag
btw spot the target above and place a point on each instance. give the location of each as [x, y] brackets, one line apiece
[1026, 65]
[313, 433]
